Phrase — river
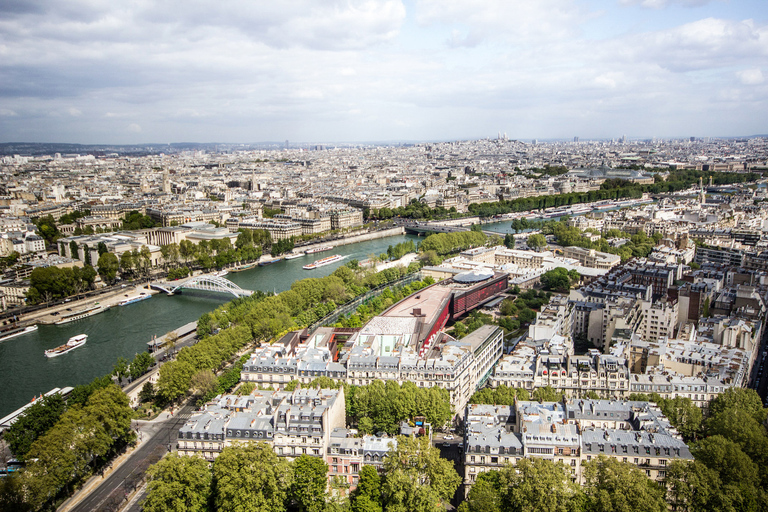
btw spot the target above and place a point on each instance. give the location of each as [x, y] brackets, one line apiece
[125, 331]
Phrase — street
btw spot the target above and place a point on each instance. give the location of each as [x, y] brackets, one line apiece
[109, 493]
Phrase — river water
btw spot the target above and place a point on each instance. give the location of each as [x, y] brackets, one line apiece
[125, 331]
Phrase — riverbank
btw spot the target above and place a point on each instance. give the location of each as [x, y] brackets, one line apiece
[404, 261]
[365, 237]
[50, 315]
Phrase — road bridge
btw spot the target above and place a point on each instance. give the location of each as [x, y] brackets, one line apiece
[420, 228]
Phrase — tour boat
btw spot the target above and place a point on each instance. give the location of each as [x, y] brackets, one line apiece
[269, 262]
[319, 249]
[17, 331]
[79, 315]
[73, 343]
[294, 256]
[135, 298]
[323, 262]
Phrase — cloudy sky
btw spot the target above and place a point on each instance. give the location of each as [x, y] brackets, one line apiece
[133, 71]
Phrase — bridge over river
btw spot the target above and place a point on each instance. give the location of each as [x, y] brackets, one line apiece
[204, 283]
[421, 228]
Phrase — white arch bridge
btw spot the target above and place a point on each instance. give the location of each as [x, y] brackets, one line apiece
[204, 283]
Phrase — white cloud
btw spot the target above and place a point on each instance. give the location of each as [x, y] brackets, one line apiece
[359, 69]
[74, 112]
[514, 21]
[709, 43]
[660, 4]
[752, 76]
[133, 128]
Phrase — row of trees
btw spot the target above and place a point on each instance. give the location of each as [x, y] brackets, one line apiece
[51, 283]
[79, 442]
[399, 250]
[251, 477]
[140, 365]
[415, 210]
[448, 243]
[382, 405]
[612, 189]
[547, 486]
[208, 355]
[387, 298]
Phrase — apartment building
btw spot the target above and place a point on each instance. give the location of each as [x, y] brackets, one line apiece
[292, 423]
[572, 432]
[346, 455]
[592, 258]
[659, 319]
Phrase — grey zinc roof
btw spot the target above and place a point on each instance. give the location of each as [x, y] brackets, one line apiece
[593, 438]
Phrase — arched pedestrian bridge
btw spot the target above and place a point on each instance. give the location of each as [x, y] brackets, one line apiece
[203, 283]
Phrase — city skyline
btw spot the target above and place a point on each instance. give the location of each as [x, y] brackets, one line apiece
[381, 70]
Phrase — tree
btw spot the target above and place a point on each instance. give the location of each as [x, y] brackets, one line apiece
[737, 398]
[147, 393]
[140, 364]
[178, 483]
[71, 448]
[73, 249]
[367, 496]
[203, 382]
[145, 259]
[126, 262]
[547, 394]
[250, 478]
[309, 482]
[108, 266]
[121, 369]
[174, 380]
[556, 279]
[33, 423]
[12, 494]
[726, 458]
[187, 250]
[485, 495]
[171, 339]
[612, 485]
[537, 241]
[693, 487]
[683, 414]
[415, 462]
[540, 485]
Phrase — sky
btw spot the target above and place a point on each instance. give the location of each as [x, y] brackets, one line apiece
[141, 71]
